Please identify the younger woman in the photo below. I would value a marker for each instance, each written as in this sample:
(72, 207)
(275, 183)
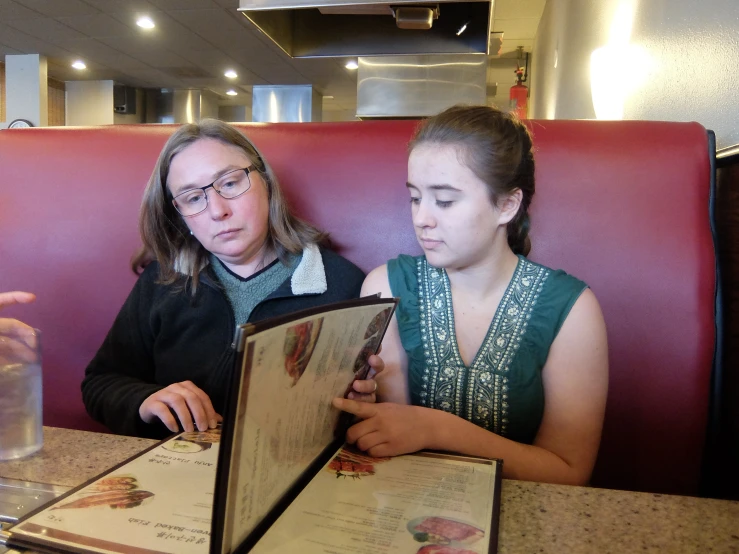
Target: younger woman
(489, 354)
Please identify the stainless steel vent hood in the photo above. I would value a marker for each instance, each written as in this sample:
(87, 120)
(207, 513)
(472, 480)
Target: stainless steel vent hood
(324, 28)
(418, 86)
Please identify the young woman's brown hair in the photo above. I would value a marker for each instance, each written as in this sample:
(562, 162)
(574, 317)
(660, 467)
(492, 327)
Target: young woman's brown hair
(164, 234)
(497, 147)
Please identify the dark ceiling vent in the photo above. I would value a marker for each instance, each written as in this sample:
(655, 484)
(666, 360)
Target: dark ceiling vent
(350, 28)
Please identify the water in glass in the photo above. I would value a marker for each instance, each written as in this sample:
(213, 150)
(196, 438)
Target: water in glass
(21, 433)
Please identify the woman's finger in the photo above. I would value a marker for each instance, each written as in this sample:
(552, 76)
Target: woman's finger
(161, 410)
(15, 351)
(15, 297)
(197, 410)
(362, 410)
(358, 430)
(365, 386)
(178, 404)
(376, 363)
(369, 441)
(370, 398)
(212, 418)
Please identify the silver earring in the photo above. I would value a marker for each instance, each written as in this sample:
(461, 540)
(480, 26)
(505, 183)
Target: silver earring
(191, 231)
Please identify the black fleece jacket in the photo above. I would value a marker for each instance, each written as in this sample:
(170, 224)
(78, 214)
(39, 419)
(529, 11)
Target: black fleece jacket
(163, 336)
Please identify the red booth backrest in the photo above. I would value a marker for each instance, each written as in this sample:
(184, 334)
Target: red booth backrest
(621, 205)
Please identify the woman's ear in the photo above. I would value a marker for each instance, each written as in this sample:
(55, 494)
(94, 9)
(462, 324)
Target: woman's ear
(508, 206)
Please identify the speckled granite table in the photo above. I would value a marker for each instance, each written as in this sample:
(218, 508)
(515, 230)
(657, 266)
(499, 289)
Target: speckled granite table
(534, 517)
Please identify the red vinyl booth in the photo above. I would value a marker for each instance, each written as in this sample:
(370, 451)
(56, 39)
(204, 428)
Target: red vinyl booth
(622, 205)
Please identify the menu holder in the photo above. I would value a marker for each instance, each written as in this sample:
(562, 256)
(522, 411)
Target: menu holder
(276, 477)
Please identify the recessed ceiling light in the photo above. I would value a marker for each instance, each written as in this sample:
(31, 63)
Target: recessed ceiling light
(145, 22)
(351, 65)
(231, 74)
(79, 64)
(328, 97)
(231, 92)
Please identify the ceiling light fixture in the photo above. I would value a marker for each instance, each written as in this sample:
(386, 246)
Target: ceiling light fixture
(79, 64)
(328, 97)
(231, 74)
(462, 29)
(351, 65)
(231, 92)
(145, 22)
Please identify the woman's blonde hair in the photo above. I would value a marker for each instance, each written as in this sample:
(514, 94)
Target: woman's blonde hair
(165, 236)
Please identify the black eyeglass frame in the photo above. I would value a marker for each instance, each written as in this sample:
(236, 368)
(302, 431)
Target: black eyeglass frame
(247, 170)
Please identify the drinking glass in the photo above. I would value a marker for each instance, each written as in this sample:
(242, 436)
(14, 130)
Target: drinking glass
(21, 432)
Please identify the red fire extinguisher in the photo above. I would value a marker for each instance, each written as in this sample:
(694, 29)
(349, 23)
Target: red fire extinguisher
(519, 95)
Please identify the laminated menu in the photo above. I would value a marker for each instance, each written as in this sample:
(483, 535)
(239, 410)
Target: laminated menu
(276, 476)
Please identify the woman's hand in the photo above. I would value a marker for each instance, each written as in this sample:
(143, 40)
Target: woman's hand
(365, 390)
(387, 429)
(187, 401)
(18, 341)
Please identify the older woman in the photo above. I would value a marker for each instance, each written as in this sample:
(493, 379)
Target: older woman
(224, 250)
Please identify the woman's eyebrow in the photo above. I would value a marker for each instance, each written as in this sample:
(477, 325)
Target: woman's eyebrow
(217, 175)
(442, 186)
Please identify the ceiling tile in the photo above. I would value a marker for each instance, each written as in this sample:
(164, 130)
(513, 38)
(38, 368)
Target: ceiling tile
(10, 10)
(174, 5)
(145, 52)
(169, 34)
(8, 51)
(218, 27)
(121, 6)
(60, 7)
(216, 61)
(46, 29)
(97, 26)
(94, 50)
(27, 44)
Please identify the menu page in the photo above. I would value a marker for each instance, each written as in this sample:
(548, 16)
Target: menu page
(284, 417)
(422, 503)
(159, 502)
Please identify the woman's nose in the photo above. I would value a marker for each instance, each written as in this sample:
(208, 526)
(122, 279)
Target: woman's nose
(218, 207)
(422, 216)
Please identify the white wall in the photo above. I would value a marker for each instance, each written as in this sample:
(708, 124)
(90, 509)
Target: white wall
(673, 60)
(26, 89)
(90, 103)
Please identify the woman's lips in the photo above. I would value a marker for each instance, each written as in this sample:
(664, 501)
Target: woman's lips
(429, 243)
(228, 233)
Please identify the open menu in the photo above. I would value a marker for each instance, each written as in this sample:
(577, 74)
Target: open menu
(276, 477)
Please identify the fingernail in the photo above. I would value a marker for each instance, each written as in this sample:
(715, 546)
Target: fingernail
(350, 395)
(212, 423)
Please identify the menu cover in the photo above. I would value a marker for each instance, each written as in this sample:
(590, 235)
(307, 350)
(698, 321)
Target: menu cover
(275, 477)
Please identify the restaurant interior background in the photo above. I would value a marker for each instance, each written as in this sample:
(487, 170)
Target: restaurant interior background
(669, 60)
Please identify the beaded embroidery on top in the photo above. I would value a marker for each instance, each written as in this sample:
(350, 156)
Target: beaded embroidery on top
(478, 393)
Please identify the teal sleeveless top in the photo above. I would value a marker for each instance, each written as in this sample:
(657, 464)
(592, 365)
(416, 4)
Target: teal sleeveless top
(502, 389)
